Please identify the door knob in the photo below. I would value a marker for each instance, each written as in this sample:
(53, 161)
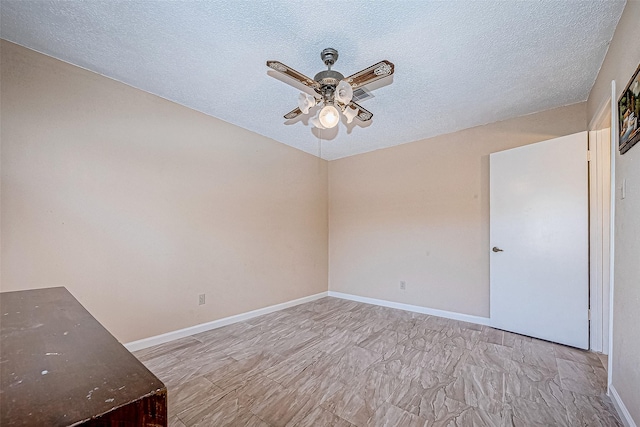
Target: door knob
(497, 249)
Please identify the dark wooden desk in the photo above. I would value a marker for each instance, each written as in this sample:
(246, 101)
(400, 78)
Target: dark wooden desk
(59, 367)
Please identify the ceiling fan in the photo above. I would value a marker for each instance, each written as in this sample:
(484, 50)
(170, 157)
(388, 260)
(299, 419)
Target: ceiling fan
(333, 90)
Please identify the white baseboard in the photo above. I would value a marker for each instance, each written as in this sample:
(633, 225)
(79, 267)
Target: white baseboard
(203, 327)
(415, 308)
(620, 407)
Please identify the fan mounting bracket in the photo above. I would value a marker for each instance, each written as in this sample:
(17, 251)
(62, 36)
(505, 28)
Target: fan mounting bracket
(329, 56)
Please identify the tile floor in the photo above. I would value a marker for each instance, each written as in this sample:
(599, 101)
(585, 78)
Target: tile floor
(334, 362)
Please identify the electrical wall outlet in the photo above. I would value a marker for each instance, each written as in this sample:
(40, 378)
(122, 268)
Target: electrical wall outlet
(201, 299)
(403, 285)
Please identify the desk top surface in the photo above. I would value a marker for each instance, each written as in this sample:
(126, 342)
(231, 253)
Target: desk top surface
(59, 365)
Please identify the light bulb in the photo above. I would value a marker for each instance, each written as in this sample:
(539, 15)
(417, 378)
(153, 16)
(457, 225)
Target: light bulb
(329, 116)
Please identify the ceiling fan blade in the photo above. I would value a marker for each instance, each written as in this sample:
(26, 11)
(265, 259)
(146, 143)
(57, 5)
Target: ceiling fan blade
(290, 72)
(375, 72)
(293, 114)
(363, 114)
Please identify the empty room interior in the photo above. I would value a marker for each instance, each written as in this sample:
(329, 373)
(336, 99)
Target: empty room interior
(252, 213)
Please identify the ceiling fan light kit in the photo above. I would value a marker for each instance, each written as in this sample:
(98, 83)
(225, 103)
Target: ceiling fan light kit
(333, 90)
(329, 116)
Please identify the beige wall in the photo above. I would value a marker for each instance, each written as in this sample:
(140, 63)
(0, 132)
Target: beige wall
(419, 212)
(137, 204)
(620, 63)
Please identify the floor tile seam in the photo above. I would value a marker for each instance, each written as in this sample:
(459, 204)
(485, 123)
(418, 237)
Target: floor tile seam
(499, 401)
(206, 401)
(251, 396)
(144, 360)
(237, 381)
(167, 371)
(537, 401)
(581, 362)
(603, 366)
(168, 347)
(422, 369)
(194, 405)
(203, 376)
(432, 346)
(530, 383)
(480, 340)
(382, 352)
(477, 365)
(469, 405)
(533, 355)
(307, 368)
(207, 354)
(485, 368)
(205, 342)
(531, 400)
(583, 394)
(180, 419)
(337, 416)
(424, 415)
(258, 416)
(565, 410)
(240, 359)
(321, 402)
(290, 391)
(567, 404)
(591, 372)
(539, 367)
(304, 347)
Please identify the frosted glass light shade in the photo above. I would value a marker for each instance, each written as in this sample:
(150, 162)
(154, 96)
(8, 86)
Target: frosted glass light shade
(329, 116)
(316, 123)
(306, 102)
(344, 92)
(350, 113)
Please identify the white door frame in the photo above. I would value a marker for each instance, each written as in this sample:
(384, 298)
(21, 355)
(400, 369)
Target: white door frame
(612, 214)
(599, 221)
(606, 345)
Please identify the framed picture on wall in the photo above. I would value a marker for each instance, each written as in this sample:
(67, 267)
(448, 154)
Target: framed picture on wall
(629, 114)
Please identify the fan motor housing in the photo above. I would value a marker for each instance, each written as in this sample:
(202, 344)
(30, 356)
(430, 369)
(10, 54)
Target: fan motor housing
(328, 78)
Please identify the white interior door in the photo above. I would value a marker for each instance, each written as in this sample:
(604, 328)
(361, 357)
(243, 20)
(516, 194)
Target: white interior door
(539, 240)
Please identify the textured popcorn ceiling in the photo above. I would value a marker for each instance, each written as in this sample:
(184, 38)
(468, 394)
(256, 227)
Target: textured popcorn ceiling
(458, 64)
